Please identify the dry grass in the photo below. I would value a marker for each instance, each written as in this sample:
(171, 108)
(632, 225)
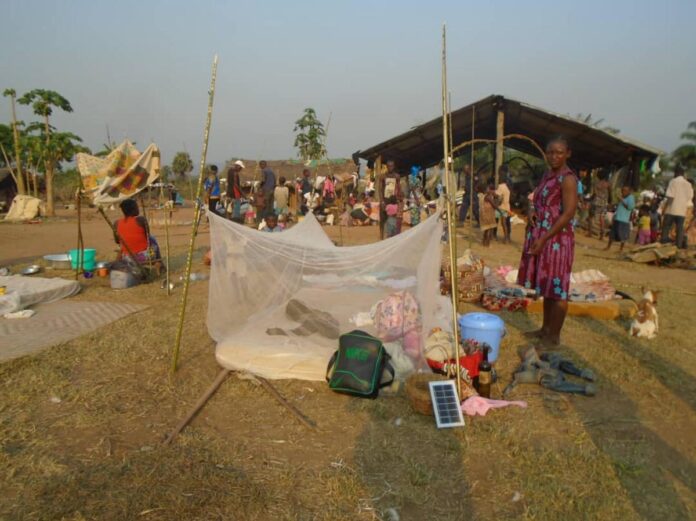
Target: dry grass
(626, 454)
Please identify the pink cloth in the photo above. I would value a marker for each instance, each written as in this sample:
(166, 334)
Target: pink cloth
(392, 209)
(479, 405)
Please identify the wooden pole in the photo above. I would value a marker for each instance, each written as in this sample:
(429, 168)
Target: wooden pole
(222, 375)
(294, 410)
(451, 202)
(196, 217)
(165, 214)
(80, 242)
(499, 134)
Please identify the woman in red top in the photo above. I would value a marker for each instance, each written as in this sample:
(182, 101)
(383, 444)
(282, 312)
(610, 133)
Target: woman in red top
(133, 234)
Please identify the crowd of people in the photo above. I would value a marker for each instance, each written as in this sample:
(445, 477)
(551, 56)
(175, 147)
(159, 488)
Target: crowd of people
(616, 217)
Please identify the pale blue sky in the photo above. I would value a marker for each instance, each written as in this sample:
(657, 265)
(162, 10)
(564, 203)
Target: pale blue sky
(143, 67)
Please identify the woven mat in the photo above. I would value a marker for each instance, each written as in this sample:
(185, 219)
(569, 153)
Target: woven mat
(56, 323)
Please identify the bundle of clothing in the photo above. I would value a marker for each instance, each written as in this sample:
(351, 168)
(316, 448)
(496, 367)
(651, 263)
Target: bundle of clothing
(503, 293)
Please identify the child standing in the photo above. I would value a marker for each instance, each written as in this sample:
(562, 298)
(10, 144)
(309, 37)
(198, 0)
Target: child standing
(391, 227)
(655, 226)
(644, 228)
(621, 222)
(487, 208)
(281, 196)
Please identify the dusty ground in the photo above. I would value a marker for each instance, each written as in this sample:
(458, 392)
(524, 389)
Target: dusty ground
(627, 453)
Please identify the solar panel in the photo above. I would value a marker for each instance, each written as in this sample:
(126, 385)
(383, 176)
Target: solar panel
(448, 413)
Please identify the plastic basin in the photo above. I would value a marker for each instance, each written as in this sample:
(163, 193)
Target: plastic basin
(484, 328)
(86, 258)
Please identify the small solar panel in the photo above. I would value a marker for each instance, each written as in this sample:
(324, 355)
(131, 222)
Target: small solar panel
(448, 412)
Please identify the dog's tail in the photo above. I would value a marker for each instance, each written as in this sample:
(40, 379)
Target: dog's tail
(624, 295)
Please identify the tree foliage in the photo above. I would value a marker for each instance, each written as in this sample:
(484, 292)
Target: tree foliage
(5, 141)
(685, 154)
(310, 136)
(44, 101)
(182, 164)
(50, 146)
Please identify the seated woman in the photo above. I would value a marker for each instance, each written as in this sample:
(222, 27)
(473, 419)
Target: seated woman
(133, 235)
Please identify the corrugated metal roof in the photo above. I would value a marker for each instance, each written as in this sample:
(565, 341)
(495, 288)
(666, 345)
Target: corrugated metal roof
(592, 147)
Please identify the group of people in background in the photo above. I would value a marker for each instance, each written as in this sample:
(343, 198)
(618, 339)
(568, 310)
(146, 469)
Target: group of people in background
(654, 218)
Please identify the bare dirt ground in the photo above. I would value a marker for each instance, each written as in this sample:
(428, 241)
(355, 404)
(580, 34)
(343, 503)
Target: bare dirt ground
(81, 424)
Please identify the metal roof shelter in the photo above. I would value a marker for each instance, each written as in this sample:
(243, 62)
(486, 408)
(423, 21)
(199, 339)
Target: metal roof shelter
(592, 147)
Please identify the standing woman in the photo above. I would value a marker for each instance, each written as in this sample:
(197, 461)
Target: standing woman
(547, 255)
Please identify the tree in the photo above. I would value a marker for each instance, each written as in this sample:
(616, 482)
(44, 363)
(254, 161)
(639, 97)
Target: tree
(19, 177)
(587, 120)
(685, 154)
(309, 140)
(42, 103)
(182, 164)
(165, 173)
(5, 143)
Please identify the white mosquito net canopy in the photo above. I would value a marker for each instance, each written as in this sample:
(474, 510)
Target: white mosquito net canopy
(279, 301)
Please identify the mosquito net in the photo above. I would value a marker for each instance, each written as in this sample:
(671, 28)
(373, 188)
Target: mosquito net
(279, 301)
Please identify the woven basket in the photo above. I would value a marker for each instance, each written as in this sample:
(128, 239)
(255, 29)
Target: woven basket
(471, 282)
(418, 391)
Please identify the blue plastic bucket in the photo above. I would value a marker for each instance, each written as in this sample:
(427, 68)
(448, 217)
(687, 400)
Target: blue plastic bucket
(88, 260)
(483, 327)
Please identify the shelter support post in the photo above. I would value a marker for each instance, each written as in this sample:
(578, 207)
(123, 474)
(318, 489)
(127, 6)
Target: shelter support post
(499, 145)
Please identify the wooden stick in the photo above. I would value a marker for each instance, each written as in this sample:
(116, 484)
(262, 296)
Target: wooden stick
(196, 219)
(222, 375)
(274, 392)
(505, 138)
(79, 265)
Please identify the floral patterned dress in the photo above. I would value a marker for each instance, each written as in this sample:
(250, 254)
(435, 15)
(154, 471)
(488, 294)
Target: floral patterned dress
(549, 272)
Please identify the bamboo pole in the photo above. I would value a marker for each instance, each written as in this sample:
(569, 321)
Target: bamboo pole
(196, 217)
(471, 177)
(451, 201)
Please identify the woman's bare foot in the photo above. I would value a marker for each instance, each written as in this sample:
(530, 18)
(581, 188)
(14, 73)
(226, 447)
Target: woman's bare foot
(547, 343)
(537, 333)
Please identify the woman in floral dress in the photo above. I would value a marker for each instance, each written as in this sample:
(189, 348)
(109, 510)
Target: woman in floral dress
(547, 255)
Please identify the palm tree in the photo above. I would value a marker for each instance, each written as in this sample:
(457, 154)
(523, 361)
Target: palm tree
(587, 120)
(42, 103)
(685, 154)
